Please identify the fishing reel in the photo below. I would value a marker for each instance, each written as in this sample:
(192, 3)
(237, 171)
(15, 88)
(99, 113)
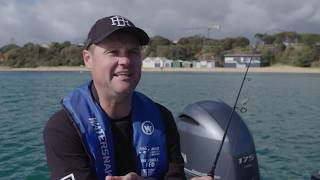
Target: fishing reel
(243, 107)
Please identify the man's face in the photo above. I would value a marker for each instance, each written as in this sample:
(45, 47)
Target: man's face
(115, 64)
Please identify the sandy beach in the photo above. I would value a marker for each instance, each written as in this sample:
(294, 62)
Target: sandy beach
(273, 69)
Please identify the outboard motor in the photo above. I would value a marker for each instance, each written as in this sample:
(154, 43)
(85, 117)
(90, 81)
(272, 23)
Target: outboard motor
(201, 126)
(316, 176)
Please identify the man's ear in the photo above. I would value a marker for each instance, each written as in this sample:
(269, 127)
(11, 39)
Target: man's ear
(87, 58)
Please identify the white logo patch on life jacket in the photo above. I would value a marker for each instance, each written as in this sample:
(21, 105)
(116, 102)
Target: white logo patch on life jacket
(147, 127)
(119, 21)
(68, 177)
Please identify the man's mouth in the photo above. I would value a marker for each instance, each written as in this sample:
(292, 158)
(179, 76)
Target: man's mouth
(122, 74)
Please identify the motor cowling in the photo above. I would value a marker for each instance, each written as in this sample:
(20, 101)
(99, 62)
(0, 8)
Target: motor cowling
(201, 126)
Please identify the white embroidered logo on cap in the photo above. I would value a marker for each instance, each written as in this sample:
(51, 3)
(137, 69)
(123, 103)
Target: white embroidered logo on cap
(119, 21)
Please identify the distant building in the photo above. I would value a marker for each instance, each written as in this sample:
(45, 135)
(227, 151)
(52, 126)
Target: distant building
(45, 46)
(148, 62)
(187, 64)
(80, 44)
(204, 64)
(241, 60)
(167, 63)
(156, 62)
(177, 63)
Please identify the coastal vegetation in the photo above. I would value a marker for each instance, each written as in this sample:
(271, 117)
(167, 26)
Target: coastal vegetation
(287, 48)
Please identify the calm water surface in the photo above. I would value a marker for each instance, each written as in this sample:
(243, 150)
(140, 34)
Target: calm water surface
(283, 115)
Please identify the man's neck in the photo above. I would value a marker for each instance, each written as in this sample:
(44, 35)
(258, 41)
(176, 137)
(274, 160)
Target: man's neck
(115, 106)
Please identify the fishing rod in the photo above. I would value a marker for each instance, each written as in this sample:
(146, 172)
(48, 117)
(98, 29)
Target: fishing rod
(212, 170)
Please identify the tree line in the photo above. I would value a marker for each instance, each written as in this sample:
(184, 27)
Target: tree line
(34, 55)
(288, 48)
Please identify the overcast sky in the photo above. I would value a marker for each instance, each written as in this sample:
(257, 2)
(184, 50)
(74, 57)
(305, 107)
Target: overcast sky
(44, 21)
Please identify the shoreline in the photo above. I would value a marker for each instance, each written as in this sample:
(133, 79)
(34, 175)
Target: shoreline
(273, 69)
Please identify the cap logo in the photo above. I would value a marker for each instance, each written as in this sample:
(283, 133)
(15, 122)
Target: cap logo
(119, 21)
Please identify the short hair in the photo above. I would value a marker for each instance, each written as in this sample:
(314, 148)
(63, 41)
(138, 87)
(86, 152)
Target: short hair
(91, 48)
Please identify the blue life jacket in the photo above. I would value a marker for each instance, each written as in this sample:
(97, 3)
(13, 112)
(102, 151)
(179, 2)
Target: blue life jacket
(148, 133)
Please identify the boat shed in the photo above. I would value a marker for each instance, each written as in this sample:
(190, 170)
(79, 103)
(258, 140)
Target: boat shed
(156, 62)
(177, 64)
(241, 60)
(204, 64)
(148, 62)
(187, 64)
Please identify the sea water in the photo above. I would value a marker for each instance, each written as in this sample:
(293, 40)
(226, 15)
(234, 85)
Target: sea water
(283, 115)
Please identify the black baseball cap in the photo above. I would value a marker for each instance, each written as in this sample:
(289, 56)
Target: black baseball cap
(108, 25)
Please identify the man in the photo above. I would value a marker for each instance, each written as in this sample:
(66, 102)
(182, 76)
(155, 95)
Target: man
(105, 129)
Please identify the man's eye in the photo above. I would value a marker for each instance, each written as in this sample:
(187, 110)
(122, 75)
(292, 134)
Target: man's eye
(134, 52)
(112, 52)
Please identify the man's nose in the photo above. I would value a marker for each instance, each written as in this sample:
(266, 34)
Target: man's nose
(124, 60)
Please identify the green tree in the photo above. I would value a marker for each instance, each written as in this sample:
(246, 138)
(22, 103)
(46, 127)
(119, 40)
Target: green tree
(309, 39)
(266, 57)
(240, 42)
(151, 49)
(199, 40)
(71, 55)
(8, 47)
(303, 57)
(26, 56)
(159, 40)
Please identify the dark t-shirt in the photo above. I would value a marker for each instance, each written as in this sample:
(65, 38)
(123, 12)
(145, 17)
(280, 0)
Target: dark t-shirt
(66, 154)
